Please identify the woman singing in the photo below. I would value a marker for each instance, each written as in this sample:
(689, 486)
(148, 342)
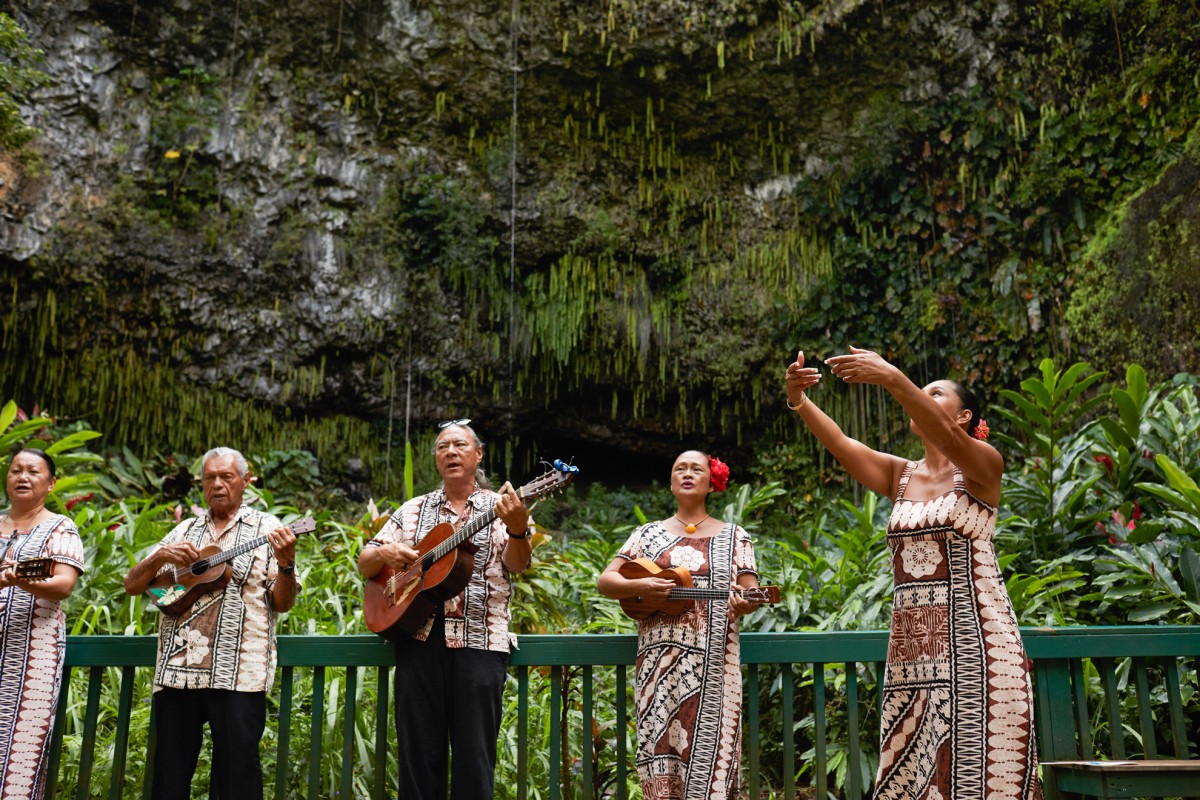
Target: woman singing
(957, 709)
(32, 627)
(689, 680)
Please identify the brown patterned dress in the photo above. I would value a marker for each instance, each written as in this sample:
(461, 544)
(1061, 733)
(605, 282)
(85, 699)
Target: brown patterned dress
(957, 714)
(33, 636)
(689, 676)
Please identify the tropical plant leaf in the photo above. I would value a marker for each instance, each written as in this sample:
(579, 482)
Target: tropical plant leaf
(1189, 566)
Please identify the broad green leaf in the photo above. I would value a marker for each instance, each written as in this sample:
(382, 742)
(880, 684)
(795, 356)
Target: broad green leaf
(1040, 393)
(1135, 379)
(1144, 533)
(1070, 379)
(1081, 387)
(1176, 476)
(72, 441)
(7, 415)
(1152, 612)
(1189, 565)
(1130, 412)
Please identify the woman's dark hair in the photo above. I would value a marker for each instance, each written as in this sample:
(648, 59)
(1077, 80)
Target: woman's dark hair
(971, 403)
(42, 454)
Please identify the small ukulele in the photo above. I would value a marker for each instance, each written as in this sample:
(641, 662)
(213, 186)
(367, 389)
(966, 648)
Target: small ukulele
(32, 569)
(396, 604)
(178, 588)
(684, 593)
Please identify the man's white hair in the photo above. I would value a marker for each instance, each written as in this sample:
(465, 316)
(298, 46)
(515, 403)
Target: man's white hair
(239, 460)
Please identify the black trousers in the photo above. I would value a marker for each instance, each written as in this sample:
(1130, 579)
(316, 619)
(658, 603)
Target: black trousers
(443, 697)
(236, 721)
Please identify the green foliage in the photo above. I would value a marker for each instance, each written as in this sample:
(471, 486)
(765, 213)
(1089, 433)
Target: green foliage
(182, 179)
(1098, 523)
(19, 76)
(1137, 279)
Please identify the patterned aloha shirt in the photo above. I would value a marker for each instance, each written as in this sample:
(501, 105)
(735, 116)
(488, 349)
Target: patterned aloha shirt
(478, 617)
(227, 639)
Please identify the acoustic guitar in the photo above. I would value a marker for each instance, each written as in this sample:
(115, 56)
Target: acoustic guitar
(32, 569)
(397, 604)
(684, 593)
(178, 588)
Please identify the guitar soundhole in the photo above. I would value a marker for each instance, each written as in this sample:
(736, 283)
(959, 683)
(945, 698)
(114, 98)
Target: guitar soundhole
(200, 567)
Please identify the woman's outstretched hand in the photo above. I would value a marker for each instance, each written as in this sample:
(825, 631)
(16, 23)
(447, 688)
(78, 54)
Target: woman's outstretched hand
(799, 379)
(862, 366)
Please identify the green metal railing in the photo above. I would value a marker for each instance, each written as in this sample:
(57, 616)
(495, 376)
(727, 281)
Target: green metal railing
(1124, 680)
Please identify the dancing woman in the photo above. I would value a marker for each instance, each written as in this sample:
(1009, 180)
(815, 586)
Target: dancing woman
(957, 711)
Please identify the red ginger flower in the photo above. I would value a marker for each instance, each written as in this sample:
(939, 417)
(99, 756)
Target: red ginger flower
(982, 431)
(718, 474)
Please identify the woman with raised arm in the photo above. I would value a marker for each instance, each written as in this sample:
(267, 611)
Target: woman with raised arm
(33, 631)
(957, 710)
(689, 679)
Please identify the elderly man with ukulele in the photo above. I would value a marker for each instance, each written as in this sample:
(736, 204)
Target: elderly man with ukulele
(216, 638)
(450, 672)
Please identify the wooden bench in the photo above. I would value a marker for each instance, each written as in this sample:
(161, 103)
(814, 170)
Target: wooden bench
(1109, 707)
(1123, 779)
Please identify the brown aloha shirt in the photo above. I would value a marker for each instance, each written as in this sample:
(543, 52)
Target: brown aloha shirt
(478, 616)
(227, 639)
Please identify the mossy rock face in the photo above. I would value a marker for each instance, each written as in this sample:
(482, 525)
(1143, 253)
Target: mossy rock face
(1139, 282)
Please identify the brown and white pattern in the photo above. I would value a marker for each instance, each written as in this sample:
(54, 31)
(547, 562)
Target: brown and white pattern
(957, 712)
(32, 645)
(478, 616)
(227, 639)
(689, 677)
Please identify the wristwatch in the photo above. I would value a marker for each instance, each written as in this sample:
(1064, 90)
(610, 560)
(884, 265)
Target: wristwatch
(523, 535)
(288, 570)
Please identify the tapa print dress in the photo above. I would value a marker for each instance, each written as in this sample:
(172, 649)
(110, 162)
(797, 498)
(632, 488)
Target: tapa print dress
(957, 713)
(33, 638)
(689, 677)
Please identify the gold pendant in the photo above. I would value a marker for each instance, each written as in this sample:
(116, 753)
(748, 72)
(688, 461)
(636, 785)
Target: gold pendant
(690, 528)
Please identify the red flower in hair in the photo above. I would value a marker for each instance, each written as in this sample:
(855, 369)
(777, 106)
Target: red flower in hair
(982, 431)
(718, 474)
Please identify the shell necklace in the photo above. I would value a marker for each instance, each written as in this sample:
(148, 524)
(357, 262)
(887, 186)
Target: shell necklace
(690, 527)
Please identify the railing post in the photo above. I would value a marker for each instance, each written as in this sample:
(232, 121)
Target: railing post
(752, 724)
(121, 741)
(522, 733)
(349, 704)
(283, 745)
(382, 709)
(822, 760)
(316, 733)
(87, 747)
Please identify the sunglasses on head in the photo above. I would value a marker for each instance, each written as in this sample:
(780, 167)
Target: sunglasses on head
(449, 422)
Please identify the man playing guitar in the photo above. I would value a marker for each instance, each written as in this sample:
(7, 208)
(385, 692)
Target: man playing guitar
(450, 674)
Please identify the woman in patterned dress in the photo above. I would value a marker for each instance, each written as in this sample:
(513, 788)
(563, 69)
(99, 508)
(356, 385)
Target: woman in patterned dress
(957, 708)
(689, 679)
(32, 627)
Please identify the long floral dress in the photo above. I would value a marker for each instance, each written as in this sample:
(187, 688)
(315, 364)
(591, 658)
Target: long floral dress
(33, 636)
(689, 678)
(957, 713)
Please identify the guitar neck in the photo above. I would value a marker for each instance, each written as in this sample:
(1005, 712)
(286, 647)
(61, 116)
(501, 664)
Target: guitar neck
(692, 593)
(461, 535)
(232, 553)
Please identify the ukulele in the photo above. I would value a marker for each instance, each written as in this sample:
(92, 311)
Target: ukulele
(396, 604)
(32, 569)
(684, 593)
(177, 589)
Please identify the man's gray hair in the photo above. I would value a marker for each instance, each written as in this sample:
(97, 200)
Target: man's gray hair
(239, 460)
